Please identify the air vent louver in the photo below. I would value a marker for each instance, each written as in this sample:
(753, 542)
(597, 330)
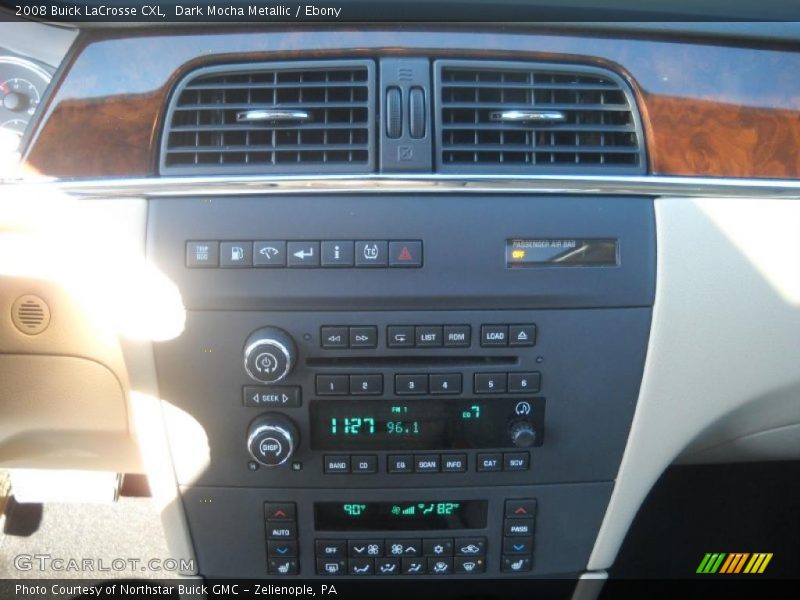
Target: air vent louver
(535, 118)
(299, 117)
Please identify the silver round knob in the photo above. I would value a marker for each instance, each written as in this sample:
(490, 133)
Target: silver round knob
(272, 439)
(269, 355)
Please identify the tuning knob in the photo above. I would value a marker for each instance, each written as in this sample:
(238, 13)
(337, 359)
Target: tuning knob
(523, 435)
(269, 354)
(272, 439)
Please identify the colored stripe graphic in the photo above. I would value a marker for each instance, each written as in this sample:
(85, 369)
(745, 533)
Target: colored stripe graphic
(734, 563)
(711, 562)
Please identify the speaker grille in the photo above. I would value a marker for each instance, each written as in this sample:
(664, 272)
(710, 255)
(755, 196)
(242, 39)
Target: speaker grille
(30, 314)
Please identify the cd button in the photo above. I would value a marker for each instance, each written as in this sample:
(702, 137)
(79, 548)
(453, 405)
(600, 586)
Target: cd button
(364, 464)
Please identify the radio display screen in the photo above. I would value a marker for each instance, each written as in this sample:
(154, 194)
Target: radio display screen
(399, 516)
(421, 424)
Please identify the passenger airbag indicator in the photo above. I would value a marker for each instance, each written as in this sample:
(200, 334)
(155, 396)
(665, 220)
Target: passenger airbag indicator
(567, 252)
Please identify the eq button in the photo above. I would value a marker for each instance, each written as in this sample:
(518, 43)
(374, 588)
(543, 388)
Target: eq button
(400, 463)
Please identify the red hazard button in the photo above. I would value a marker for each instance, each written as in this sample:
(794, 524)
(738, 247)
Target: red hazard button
(405, 254)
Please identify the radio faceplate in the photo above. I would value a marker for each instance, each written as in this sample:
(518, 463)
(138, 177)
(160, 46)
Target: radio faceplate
(579, 403)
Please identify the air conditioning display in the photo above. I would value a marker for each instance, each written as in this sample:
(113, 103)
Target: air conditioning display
(422, 424)
(400, 516)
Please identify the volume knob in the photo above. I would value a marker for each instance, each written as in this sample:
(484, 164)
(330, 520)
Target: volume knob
(523, 435)
(269, 354)
(272, 439)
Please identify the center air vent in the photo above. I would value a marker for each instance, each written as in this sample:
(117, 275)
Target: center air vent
(293, 117)
(535, 118)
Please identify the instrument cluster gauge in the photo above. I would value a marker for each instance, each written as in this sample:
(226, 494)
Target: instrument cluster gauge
(22, 85)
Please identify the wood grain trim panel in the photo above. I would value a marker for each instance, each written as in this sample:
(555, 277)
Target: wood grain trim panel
(708, 109)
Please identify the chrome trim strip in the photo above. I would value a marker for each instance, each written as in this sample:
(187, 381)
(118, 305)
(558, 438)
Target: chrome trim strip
(272, 115)
(621, 185)
(527, 116)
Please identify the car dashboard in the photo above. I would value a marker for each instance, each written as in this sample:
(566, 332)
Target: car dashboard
(422, 302)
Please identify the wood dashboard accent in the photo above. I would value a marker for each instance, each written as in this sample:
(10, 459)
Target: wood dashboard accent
(708, 109)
